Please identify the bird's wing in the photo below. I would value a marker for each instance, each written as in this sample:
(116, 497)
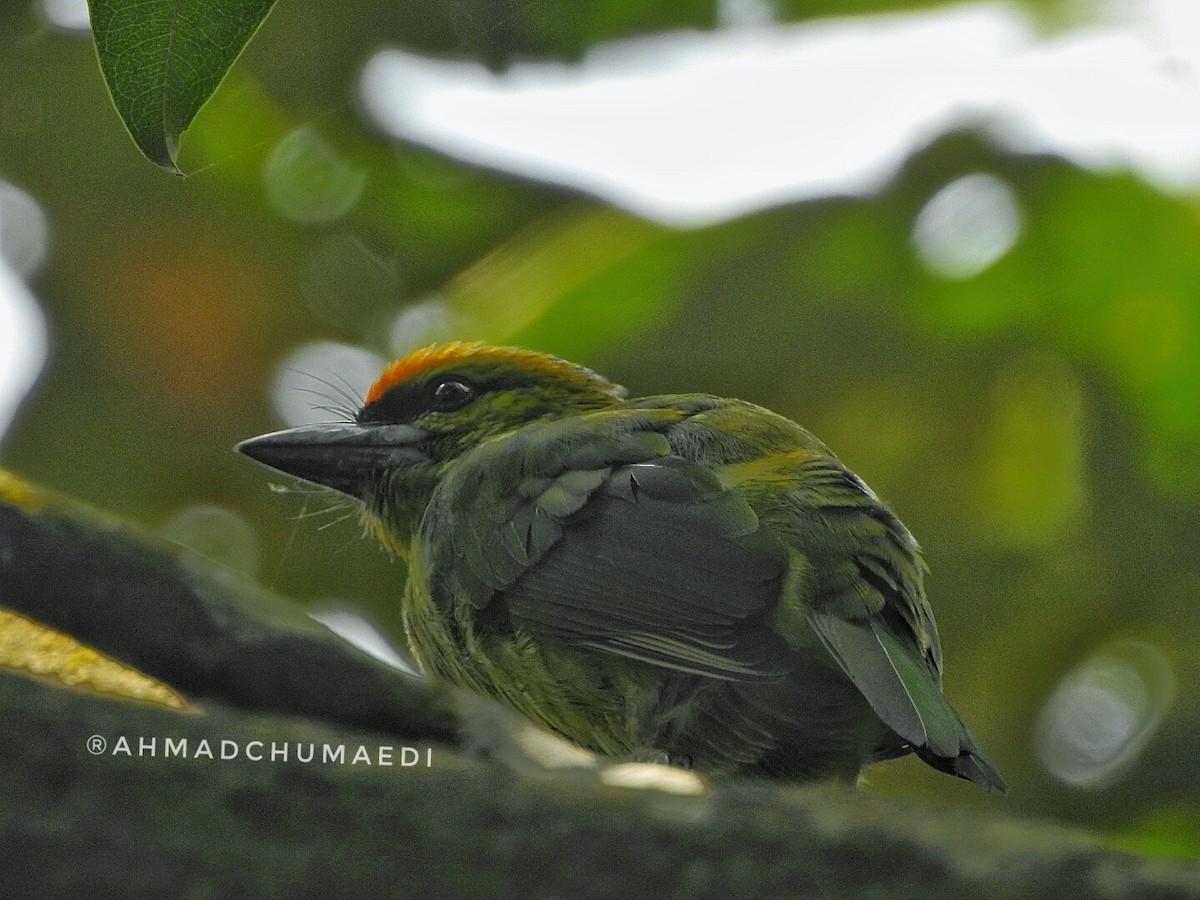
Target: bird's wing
(862, 573)
(602, 538)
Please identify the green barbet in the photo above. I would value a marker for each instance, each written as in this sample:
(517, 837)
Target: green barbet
(683, 578)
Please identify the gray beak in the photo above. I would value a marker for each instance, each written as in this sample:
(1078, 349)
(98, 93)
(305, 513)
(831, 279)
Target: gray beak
(347, 458)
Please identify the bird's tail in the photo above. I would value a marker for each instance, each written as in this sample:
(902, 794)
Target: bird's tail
(971, 763)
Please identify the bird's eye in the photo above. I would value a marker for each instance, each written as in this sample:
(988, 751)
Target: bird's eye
(452, 393)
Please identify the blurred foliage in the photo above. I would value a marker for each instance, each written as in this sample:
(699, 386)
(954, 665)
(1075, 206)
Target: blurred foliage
(1036, 425)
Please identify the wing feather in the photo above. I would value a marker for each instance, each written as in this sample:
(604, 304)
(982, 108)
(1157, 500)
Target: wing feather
(609, 541)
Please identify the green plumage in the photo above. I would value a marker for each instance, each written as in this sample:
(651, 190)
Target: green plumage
(683, 574)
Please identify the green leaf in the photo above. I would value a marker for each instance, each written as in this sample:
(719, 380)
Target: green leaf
(163, 59)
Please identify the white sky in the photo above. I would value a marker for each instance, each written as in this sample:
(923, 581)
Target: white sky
(690, 128)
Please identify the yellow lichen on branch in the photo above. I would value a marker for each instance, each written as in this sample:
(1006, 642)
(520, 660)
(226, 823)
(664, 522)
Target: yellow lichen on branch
(17, 492)
(30, 647)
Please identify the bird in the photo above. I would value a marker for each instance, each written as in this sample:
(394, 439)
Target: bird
(683, 578)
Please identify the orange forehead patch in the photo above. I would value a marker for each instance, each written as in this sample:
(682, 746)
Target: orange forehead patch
(437, 355)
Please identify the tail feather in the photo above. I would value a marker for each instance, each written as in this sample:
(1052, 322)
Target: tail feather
(970, 764)
(905, 695)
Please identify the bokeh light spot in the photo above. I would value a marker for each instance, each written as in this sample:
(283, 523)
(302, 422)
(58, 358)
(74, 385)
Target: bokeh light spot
(218, 534)
(24, 230)
(323, 381)
(967, 226)
(307, 180)
(1103, 713)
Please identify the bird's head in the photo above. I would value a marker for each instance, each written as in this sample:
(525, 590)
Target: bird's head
(424, 411)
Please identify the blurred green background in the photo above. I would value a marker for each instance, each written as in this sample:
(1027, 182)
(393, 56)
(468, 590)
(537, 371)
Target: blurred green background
(1032, 414)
